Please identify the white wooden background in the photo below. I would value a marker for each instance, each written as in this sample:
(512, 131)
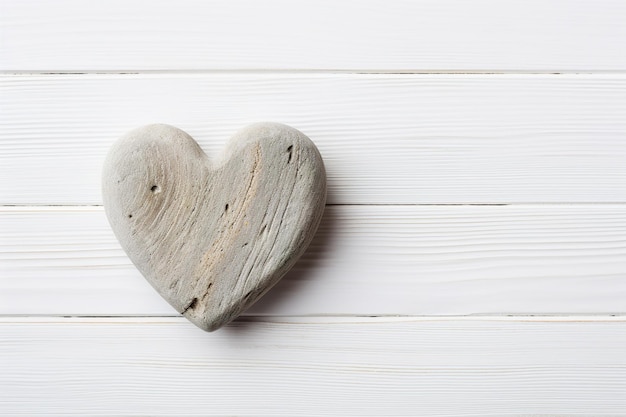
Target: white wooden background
(472, 258)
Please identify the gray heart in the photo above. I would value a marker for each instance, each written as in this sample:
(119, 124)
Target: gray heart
(212, 236)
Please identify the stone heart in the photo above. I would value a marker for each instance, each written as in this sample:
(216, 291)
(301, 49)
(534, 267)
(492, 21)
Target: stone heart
(213, 236)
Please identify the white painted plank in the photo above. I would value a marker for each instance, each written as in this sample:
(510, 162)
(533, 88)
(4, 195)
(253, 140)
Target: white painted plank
(384, 138)
(406, 260)
(356, 367)
(424, 35)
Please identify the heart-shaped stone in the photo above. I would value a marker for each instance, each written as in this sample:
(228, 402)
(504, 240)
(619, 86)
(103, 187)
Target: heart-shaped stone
(212, 236)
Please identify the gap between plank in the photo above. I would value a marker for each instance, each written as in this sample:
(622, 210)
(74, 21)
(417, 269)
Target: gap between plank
(567, 318)
(52, 207)
(315, 71)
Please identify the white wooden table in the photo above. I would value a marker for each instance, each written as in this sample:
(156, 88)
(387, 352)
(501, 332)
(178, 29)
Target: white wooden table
(472, 257)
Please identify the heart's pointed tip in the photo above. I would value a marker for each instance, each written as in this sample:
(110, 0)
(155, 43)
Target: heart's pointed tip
(208, 324)
(211, 327)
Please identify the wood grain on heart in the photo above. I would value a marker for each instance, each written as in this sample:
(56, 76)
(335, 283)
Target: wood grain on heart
(213, 235)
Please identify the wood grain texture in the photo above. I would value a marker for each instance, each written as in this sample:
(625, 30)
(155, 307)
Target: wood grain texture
(407, 260)
(398, 139)
(425, 35)
(213, 235)
(353, 367)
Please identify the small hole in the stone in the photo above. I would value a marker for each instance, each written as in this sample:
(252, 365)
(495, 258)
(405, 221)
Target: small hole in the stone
(155, 189)
(226, 207)
(289, 149)
(130, 216)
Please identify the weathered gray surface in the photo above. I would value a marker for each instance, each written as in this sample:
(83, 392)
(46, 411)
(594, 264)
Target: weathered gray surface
(212, 236)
